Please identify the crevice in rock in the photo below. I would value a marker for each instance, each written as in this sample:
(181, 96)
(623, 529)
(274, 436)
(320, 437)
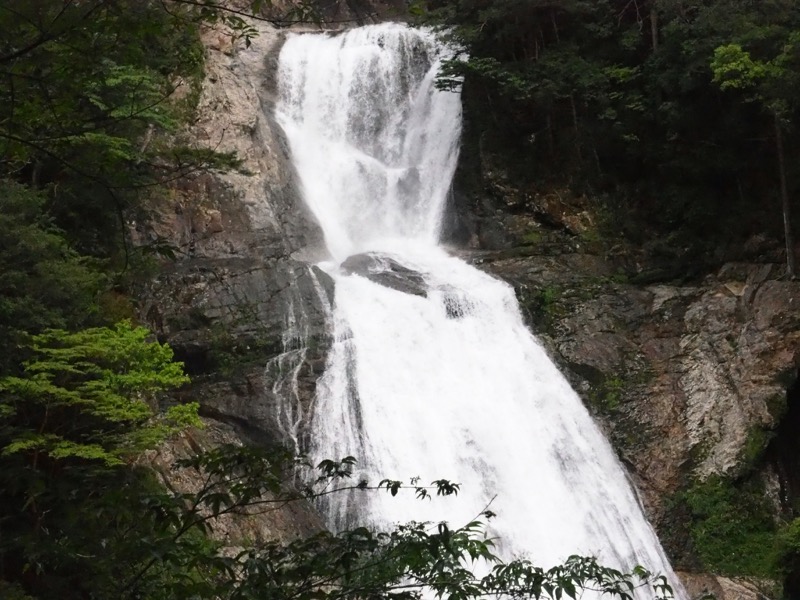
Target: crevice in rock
(783, 451)
(196, 359)
(245, 431)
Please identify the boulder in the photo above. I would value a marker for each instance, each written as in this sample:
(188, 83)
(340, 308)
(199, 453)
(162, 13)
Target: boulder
(386, 271)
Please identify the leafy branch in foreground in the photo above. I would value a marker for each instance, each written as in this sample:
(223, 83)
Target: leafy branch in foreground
(404, 563)
(83, 509)
(414, 559)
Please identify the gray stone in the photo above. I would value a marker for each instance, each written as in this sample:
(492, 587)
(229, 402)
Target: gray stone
(385, 271)
(242, 304)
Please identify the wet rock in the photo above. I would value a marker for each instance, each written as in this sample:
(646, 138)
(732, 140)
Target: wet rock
(386, 271)
(240, 301)
(237, 295)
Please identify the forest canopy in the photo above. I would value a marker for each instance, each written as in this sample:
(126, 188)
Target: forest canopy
(681, 114)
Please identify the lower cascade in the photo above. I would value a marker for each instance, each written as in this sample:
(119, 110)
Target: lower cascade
(433, 373)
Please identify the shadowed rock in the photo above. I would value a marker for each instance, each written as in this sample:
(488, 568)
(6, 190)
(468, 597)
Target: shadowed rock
(387, 272)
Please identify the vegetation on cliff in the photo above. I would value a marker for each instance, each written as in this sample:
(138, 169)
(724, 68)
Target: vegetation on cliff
(618, 98)
(92, 98)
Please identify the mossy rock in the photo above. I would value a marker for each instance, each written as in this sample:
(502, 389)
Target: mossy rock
(731, 525)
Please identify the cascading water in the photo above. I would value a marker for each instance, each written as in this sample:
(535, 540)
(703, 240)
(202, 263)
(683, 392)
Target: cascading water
(432, 372)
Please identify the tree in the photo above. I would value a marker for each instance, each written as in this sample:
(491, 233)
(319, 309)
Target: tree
(89, 109)
(773, 85)
(592, 97)
(94, 96)
(71, 425)
(43, 282)
(90, 395)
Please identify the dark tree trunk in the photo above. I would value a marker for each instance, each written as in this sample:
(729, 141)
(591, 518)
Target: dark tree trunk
(785, 205)
(576, 127)
(654, 26)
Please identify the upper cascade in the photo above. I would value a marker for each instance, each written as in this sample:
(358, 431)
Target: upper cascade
(366, 122)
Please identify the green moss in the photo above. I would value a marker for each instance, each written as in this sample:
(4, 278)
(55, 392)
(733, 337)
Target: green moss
(788, 549)
(231, 355)
(619, 278)
(547, 298)
(591, 237)
(543, 305)
(731, 527)
(531, 238)
(753, 449)
(607, 395)
(777, 405)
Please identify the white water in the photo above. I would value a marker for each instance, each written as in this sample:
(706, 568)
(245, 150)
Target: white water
(283, 370)
(449, 385)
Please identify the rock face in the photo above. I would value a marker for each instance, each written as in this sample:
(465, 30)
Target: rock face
(693, 376)
(689, 380)
(687, 377)
(241, 304)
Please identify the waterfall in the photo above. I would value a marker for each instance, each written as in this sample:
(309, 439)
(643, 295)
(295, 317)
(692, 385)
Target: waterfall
(433, 373)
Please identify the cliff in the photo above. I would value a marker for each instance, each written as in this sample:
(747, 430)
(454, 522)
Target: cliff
(241, 305)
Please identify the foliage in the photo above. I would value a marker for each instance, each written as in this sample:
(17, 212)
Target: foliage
(414, 557)
(623, 99)
(83, 409)
(105, 383)
(43, 282)
(732, 528)
(774, 82)
(134, 539)
(85, 120)
(753, 449)
(607, 395)
(531, 238)
(774, 85)
(733, 68)
(543, 305)
(788, 554)
(90, 115)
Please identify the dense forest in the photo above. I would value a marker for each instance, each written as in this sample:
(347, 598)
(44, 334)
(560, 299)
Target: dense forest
(677, 115)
